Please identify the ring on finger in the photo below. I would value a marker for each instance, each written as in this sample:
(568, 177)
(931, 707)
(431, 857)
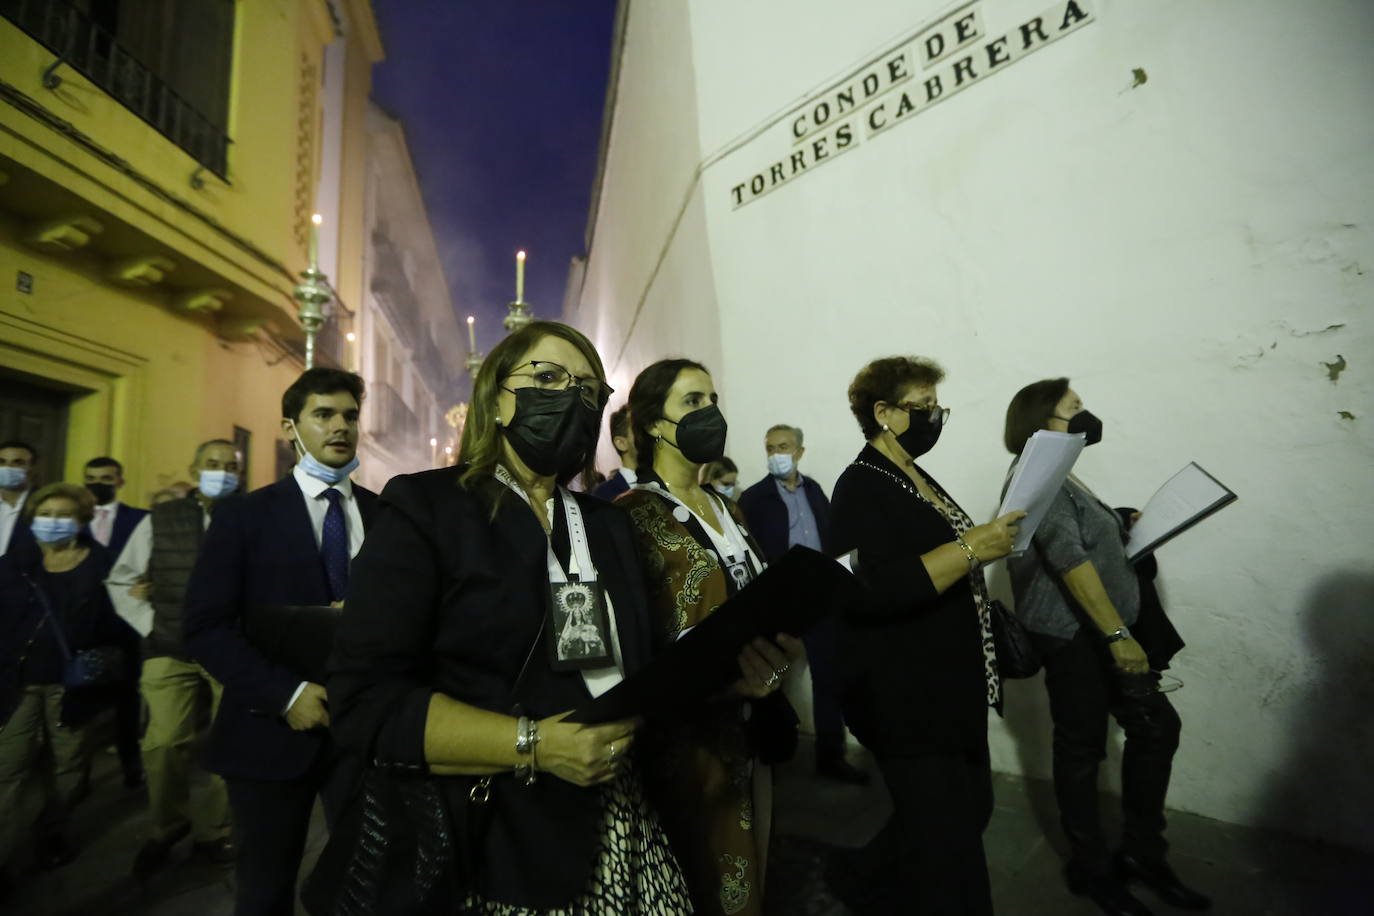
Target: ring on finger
(772, 680)
(611, 759)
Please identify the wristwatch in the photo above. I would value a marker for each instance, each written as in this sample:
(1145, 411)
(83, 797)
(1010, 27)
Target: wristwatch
(1118, 634)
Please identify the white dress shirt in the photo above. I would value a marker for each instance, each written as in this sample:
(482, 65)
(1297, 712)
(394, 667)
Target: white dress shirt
(9, 517)
(312, 488)
(132, 568)
(102, 526)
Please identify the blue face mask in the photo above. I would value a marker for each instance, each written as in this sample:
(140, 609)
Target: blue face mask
(12, 478)
(218, 484)
(317, 468)
(780, 464)
(54, 530)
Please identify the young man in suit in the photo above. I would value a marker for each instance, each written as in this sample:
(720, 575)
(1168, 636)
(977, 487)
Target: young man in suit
(624, 477)
(784, 509)
(114, 522)
(286, 544)
(148, 588)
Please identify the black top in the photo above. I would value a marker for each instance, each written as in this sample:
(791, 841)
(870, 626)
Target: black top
(78, 599)
(912, 667)
(444, 598)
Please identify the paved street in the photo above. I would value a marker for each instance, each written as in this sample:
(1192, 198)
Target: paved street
(1248, 872)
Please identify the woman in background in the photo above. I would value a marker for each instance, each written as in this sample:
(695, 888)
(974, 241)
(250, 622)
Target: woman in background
(722, 475)
(1082, 600)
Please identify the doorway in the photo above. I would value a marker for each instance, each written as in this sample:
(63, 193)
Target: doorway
(38, 416)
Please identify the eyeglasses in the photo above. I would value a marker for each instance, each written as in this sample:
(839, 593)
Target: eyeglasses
(553, 377)
(935, 414)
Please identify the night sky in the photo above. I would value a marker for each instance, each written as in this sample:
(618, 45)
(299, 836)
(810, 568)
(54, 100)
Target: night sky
(501, 102)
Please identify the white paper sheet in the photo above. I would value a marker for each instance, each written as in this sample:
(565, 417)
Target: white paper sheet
(1186, 499)
(1040, 472)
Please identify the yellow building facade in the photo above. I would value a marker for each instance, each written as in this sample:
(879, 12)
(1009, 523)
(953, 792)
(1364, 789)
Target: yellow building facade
(158, 171)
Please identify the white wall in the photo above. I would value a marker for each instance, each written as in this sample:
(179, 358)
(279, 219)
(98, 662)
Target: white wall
(1189, 251)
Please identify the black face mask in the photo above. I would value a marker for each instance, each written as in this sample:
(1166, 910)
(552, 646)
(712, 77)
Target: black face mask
(552, 431)
(922, 434)
(1084, 422)
(103, 492)
(701, 435)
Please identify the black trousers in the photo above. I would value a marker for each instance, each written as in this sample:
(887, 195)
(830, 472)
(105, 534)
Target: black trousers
(271, 820)
(929, 858)
(821, 657)
(1084, 691)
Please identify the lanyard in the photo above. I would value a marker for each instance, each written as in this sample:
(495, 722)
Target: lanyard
(577, 533)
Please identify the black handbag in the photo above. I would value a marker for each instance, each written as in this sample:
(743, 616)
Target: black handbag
(1016, 654)
(399, 850)
(101, 666)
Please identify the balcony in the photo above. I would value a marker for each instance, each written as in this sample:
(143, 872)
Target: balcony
(96, 53)
(392, 420)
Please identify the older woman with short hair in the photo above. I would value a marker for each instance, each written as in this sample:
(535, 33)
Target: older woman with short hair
(52, 602)
(1100, 629)
(917, 667)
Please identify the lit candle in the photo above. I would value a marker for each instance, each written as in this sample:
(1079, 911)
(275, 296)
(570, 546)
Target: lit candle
(520, 276)
(472, 336)
(315, 239)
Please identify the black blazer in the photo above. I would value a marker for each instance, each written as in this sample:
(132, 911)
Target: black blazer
(766, 513)
(911, 660)
(260, 549)
(443, 599)
(611, 487)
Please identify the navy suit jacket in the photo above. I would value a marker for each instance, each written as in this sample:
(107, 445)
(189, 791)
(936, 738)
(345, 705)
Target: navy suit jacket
(126, 520)
(766, 514)
(260, 550)
(611, 487)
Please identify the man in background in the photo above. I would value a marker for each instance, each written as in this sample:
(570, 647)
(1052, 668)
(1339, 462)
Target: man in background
(111, 527)
(17, 460)
(148, 587)
(786, 509)
(624, 442)
(114, 521)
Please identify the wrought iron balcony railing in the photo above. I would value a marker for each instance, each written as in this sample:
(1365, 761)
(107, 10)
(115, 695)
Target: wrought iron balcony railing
(96, 54)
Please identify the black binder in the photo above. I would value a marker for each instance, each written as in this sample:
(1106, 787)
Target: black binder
(300, 637)
(788, 597)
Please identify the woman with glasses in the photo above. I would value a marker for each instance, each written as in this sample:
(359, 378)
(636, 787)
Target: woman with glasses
(703, 772)
(1097, 622)
(917, 668)
(488, 601)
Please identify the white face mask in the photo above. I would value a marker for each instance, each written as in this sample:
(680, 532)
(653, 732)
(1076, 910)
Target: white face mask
(218, 484)
(317, 468)
(781, 464)
(12, 478)
(723, 490)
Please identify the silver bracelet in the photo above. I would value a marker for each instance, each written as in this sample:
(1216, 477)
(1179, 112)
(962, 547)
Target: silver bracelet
(526, 738)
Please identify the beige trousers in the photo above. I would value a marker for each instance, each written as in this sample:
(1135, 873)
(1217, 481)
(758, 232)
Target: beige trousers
(37, 753)
(176, 692)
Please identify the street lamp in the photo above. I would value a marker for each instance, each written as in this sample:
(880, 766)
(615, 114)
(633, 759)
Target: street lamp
(312, 293)
(520, 315)
(474, 360)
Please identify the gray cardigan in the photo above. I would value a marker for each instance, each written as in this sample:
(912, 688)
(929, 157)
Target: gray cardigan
(1078, 527)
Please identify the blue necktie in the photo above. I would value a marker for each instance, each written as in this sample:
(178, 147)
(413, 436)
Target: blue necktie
(334, 545)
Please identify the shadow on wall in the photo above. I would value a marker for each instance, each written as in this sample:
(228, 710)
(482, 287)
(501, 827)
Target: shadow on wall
(1323, 788)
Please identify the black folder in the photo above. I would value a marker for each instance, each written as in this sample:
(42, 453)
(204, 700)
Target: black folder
(789, 597)
(299, 637)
